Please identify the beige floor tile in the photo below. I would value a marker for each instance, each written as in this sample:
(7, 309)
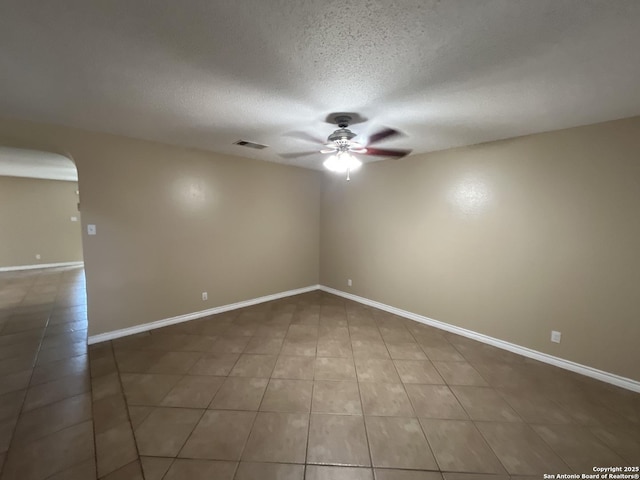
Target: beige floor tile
(278, 437)
(154, 468)
(385, 399)
(14, 381)
(239, 393)
(50, 392)
(397, 442)
(105, 386)
(405, 351)
(6, 433)
(520, 449)
(442, 353)
(229, 344)
(146, 388)
(316, 472)
(459, 447)
(415, 371)
(398, 334)
(334, 369)
(302, 332)
(175, 362)
(83, 471)
(269, 471)
(215, 363)
(287, 396)
(264, 345)
(294, 367)
(392, 474)
(10, 404)
(483, 403)
(165, 430)
(136, 361)
(131, 471)
(51, 418)
(336, 397)
(299, 347)
(364, 333)
(459, 373)
(330, 347)
(376, 370)
(435, 401)
(137, 414)
(369, 349)
(334, 331)
(258, 366)
(338, 440)
(220, 435)
(578, 447)
(51, 454)
(481, 476)
(115, 448)
(200, 470)
(625, 442)
(109, 412)
(535, 408)
(193, 392)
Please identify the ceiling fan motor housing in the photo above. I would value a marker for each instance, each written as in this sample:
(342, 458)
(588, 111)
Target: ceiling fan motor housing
(341, 134)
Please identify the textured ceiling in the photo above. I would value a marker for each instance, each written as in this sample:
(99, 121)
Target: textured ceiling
(18, 162)
(205, 73)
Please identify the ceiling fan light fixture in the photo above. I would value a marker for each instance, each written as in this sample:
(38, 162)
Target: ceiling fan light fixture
(342, 162)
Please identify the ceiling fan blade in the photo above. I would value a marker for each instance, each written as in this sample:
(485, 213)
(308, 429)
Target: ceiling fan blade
(329, 150)
(380, 152)
(307, 137)
(297, 154)
(383, 135)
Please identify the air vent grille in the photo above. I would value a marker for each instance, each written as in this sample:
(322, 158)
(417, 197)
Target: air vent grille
(244, 143)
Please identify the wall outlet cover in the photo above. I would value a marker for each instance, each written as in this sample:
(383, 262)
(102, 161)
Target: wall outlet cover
(556, 336)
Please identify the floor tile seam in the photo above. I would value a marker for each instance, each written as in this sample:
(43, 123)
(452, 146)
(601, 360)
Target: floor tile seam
(522, 420)
(583, 427)
(24, 399)
(366, 430)
(424, 434)
(126, 407)
(50, 405)
(528, 426)
(2, 471)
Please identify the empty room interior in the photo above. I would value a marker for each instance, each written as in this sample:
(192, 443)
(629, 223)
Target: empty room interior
(289, 240)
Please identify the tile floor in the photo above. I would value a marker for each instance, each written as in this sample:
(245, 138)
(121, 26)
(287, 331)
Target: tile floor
(307, 387)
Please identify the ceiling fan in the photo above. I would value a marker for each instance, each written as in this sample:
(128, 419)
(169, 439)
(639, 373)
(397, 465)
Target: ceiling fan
(341, 146)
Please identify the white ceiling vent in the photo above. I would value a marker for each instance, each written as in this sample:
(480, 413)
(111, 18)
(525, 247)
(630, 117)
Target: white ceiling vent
(244, 143)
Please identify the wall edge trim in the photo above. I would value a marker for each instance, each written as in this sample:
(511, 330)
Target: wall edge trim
(165, 322)
(40, 265)
(611, 378)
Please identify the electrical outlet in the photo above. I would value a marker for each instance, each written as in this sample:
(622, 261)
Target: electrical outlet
(74, 219)
(555, 336)
(38, 256)
(204, 296)
(91, 229)
(349, 282)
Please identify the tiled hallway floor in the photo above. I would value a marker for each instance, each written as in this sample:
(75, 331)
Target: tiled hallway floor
(311, 386)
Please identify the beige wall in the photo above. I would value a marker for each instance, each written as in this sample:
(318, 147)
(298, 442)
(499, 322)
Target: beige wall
(511, 239)
(35, 218)
(173, 222)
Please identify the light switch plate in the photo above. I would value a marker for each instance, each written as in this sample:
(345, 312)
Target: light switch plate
(91, 229)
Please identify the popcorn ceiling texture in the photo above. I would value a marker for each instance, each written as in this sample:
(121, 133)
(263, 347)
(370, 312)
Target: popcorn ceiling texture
(205, 74)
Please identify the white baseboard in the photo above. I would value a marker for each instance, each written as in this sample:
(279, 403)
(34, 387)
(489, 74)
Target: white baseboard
(103, 337)
(40, 265)
(623, 382)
